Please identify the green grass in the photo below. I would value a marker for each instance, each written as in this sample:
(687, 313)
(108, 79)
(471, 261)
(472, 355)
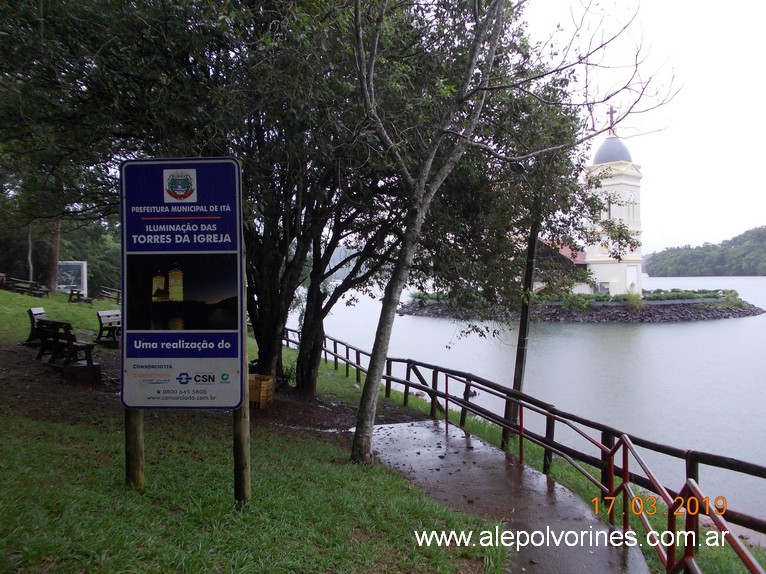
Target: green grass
(15, 321)
(64, 506)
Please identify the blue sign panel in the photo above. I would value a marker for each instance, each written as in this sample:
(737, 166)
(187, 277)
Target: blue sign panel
(182, 310)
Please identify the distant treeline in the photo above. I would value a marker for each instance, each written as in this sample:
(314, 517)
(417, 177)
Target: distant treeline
(742, 255)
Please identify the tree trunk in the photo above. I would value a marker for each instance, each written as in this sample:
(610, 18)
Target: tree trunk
(309, 358)
(55, 248)
(30, 262)
(312, 341)
(361, 448)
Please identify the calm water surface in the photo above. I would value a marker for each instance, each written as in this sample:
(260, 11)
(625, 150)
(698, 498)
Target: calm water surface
(696, 385)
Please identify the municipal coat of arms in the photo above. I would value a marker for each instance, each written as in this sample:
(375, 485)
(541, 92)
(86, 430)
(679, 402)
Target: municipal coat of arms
(179, 186)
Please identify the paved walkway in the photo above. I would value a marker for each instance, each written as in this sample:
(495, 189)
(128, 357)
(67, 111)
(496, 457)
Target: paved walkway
(471, 475)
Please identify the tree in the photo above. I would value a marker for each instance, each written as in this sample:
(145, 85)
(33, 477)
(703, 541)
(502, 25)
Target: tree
(480, 53)
(109, 81)
(451, 113)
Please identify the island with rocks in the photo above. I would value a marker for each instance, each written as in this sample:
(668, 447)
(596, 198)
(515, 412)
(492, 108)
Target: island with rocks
(654, 307)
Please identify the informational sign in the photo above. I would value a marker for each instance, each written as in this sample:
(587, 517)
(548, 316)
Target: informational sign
(182, 319)
(72, 275)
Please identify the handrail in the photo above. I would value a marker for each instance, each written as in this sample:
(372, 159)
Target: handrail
(614, 446)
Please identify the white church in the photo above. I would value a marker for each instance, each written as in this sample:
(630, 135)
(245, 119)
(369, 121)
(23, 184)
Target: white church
(623, 181)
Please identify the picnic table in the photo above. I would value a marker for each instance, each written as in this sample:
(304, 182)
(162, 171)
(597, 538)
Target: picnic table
(109, 293)
(27, 287)
(78, 296)
(59, 341)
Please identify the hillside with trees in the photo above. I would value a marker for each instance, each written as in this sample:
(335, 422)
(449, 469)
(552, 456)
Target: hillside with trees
(742, 255)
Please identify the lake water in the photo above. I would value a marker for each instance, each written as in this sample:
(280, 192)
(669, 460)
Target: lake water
(696, 385)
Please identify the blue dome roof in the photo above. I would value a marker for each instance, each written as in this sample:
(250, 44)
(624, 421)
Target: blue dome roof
(612, 150)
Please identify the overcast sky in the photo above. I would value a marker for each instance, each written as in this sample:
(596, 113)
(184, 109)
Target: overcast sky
(700, 154)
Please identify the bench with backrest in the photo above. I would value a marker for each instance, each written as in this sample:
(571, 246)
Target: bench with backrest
(109, 293)
(28, 287)
(109, 326)
(60, 341)
(35, 334)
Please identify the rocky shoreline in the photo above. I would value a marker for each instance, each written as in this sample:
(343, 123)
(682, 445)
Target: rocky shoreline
(649, 312)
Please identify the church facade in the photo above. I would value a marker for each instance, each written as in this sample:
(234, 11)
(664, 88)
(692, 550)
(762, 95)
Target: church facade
(621, 179)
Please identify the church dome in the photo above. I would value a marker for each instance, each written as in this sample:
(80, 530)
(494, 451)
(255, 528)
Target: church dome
(612, 150)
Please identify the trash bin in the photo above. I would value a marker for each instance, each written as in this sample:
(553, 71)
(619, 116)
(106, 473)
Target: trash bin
(261, 390)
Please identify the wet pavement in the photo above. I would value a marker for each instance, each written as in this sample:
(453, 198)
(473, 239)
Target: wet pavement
(471, 475)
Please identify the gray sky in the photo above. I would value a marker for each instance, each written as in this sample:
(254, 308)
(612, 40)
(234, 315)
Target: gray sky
(700, 153)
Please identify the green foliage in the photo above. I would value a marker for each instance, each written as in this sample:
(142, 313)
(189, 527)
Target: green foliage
(588, 298)
(424, 296)
(575, 301)
(678, 294)
(742, 255)
(634, 301)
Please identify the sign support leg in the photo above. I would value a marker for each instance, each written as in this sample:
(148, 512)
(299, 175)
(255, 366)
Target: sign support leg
(134, 449)
(241, 419)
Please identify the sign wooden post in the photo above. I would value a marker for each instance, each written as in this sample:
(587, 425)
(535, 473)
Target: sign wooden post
(134, 449)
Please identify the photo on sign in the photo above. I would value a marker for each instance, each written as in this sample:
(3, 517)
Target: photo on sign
(182, 292)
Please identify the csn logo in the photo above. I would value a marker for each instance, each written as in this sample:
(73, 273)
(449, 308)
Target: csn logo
(186, 378)
(183, 378)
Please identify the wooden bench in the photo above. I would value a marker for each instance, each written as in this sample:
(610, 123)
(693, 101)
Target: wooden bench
(77, 296)
(109, 293)
(28, 287)
(109, 327)
(35, 334)
(60, 341)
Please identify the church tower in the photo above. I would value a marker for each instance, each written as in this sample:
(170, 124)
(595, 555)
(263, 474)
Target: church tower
(620, 178)
(158, 287)
(176, 284)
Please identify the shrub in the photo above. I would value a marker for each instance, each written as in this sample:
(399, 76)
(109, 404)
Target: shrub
(635, 302)
(575, 302)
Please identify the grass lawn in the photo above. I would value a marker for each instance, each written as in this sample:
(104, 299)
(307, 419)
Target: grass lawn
(64, 506)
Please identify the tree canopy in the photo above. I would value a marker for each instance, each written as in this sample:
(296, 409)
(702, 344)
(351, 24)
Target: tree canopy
(351, 122)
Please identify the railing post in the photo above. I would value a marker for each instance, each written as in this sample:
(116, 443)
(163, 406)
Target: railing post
(466, 398)
(446, 401)
(692, 524)
(335, 354)
(435, 387)
(607, 468)
(510, 417)
(358, 367)
(627, 502)
(693, 472)
(388, 378)
(348, 362)
(550, 428)
(521, 433)
(407, 386)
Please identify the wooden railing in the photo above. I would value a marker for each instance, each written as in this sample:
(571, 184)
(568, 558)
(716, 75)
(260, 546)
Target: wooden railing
(614, 452)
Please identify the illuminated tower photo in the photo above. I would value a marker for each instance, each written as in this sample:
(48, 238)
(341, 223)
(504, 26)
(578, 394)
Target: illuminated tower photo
(176, 284)
(158, 288)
